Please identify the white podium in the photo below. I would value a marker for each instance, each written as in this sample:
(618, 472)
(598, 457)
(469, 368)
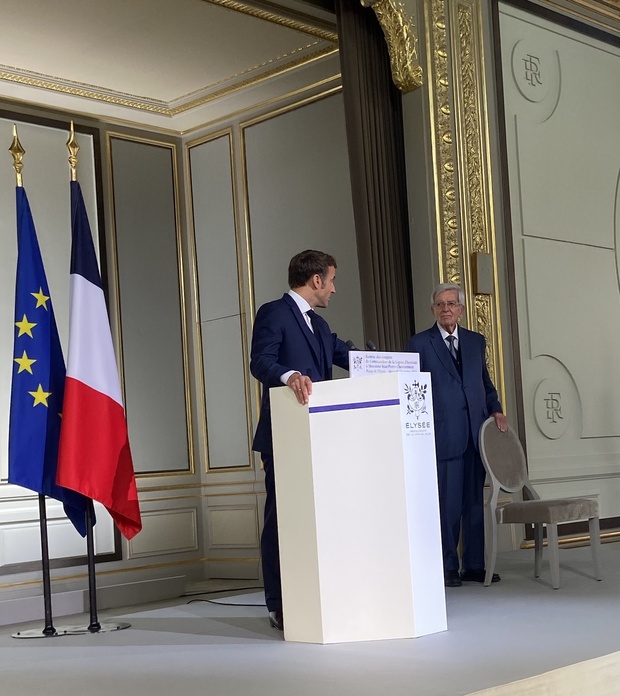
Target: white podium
(358, 513)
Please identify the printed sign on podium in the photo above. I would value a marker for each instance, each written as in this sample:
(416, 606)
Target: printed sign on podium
(375, 362)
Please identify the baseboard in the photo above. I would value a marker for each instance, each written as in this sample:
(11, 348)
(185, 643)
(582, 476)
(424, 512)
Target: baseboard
(25, 609)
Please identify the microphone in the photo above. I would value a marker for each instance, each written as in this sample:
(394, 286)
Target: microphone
(370, 345)
(350, 345)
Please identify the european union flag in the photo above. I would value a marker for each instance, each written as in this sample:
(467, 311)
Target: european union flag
(38, 377)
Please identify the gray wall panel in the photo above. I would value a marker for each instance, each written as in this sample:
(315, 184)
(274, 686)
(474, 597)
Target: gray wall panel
(227, 425)
(214, 227)
(218, 281)
(144, 199)
(299, 198)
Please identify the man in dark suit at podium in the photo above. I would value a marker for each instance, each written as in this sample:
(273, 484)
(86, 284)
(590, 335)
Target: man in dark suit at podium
(463, 398)
(292, 346)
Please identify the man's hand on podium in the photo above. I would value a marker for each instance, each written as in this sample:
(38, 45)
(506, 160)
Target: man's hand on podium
(301, 386)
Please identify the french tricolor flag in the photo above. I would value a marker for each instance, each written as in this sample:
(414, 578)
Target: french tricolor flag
(94, 456)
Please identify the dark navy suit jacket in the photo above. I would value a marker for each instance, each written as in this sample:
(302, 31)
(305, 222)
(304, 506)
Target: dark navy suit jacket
(460, 404)
(282, 341)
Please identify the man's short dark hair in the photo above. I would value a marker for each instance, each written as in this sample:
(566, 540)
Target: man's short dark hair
(310, 262)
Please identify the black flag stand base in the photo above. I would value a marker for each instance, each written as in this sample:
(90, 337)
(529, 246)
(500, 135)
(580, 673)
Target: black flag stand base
(70, 630)
(94, 626)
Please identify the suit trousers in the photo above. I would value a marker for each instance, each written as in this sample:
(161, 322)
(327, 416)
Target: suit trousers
(269, 545)
(461, 509)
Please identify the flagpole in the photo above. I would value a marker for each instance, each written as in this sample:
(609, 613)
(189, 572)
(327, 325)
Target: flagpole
(94, 625)
(49, 629)
(18, 152)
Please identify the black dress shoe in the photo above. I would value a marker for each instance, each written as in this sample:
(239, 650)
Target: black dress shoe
(477, 576)
(451, 578)
(276, 619)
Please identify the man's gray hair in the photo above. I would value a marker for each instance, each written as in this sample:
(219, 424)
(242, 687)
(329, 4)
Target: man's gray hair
(442, 287)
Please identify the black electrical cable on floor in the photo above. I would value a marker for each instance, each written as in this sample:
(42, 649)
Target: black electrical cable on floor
(227, 604)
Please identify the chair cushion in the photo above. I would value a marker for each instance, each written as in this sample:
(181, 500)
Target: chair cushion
(547, 511)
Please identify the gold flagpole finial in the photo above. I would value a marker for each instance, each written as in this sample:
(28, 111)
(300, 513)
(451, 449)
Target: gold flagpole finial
(18, 153)
(73, 148)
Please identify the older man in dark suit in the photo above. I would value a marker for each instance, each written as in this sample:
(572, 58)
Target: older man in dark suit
(463, 397)
(292, 346)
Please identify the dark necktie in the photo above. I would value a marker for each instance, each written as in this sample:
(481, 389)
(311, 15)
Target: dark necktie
(312, 316)
(315, 328)
(455, 354)
(451, 347)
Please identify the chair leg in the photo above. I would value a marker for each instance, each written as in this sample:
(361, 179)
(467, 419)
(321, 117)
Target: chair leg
(595, 543)
(554, 554)
(538, 548)
(492, 555)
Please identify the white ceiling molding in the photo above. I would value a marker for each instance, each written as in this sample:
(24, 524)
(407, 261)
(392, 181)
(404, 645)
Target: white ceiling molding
(157, 62)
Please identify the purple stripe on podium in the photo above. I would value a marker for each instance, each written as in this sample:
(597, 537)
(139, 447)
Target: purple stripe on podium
(352, 406)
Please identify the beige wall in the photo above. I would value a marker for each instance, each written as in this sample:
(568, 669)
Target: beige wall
(46, 181)
(563, 139)
(232, 201)
(198, 233)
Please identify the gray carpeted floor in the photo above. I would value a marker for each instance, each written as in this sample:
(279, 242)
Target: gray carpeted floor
(514, 629)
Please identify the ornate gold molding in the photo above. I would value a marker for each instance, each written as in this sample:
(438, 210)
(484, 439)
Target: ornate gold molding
(176, 106)
(401, 37)
(274, 18)
(442, 133)
(604, 14)
(254, 80)
(465, 223)
(474, 171)
(77, 89)
(306, 53)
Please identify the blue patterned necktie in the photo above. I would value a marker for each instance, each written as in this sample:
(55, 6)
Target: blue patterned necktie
(451, 348)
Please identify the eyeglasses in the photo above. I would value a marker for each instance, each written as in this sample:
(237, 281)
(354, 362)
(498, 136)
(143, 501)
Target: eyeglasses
(444, 305)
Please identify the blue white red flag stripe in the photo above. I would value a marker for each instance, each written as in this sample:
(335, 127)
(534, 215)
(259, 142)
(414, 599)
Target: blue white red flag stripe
(94, 457)
(95, 368)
